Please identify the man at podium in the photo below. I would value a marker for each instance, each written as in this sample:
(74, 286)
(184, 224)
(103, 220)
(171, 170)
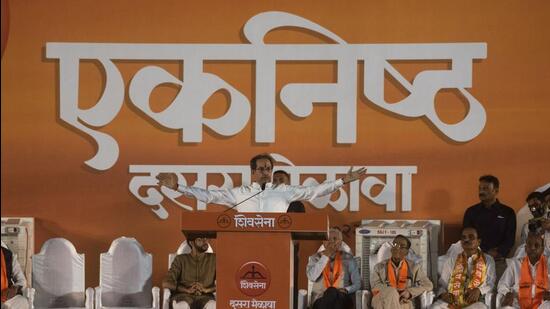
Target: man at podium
(261, 195)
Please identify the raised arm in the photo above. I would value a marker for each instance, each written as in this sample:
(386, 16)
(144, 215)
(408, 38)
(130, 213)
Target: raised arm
(221, 196)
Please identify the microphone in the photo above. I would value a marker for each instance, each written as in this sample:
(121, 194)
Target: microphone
(246, 199)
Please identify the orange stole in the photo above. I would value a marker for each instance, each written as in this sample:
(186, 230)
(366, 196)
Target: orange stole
(401, 282)
(526, 282)
(4, 277)
(332, 278)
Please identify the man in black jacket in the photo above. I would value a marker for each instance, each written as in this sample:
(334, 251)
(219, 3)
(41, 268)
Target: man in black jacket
(495, 222)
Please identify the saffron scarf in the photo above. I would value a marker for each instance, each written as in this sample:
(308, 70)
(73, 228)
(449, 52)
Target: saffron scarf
(526, 282)
(4, 283)
(333, 277)
(457, 282)
(401, 282)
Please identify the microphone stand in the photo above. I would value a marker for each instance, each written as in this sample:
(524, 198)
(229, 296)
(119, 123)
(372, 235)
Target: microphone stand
(246, 199)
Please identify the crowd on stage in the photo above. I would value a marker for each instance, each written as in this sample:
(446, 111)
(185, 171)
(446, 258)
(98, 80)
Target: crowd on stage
(481, 272)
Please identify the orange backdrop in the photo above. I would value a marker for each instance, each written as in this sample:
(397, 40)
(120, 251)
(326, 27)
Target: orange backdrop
(43, 174)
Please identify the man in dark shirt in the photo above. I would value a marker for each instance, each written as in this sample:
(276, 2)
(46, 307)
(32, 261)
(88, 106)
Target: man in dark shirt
(191, 278)
(495, 222)
(282, 177)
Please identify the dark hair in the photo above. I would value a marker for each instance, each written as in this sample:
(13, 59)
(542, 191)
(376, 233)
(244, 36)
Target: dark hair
(405, 238)
(490, 179)
(536, 230)
(282, 172)
(535, 195)
(261, 156)
(469, 227)
(546, 192)
(535, 227)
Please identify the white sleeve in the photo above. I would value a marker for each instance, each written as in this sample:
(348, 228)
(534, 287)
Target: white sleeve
(315, 266)
(221, 196)
(507, 281)
(489, 284)
(17, 273)
(301, 193)
(445, 276)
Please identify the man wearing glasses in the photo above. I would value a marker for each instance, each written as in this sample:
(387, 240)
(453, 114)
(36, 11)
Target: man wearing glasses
(262, 195)
(397, 281)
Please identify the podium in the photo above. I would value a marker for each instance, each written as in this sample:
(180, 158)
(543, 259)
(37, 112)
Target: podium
(254, 253)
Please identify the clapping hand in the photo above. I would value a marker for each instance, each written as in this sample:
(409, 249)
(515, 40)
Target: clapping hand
(168, 180)
(508, 299)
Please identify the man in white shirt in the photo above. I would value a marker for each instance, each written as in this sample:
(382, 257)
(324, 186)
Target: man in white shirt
(13, 281)
(468, 277)
(525, 283)
(262, 195)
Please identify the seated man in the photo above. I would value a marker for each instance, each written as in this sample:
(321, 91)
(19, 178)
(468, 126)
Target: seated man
(466, 278)
(396, 282)
(13, 281)
(191, 278)
(525, 283)
(334, 274)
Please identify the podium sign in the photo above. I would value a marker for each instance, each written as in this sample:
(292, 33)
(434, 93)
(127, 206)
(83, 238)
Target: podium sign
(254, 254)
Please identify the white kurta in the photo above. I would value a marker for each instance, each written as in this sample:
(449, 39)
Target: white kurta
(272, 199)
(509, 282)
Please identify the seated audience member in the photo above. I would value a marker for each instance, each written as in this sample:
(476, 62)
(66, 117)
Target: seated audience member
(282, 177)
(525, 283)
(537, 207)
(494, 222)
(13, 281)
(396, 282)
(191, 278)
(466, 278)
(334, 274)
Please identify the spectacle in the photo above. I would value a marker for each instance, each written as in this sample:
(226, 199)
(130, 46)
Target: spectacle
(398, 246)
(264, 169)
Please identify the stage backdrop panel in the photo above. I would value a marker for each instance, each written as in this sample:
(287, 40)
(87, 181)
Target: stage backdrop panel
(99, 96)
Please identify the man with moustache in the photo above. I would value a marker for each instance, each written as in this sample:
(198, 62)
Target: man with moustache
(525, 283)
(191, 278)
(466, 278)
(262, 195)
(494, 222)
(397, 281)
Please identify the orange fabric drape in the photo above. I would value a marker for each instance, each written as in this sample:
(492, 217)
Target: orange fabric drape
(401, 282)
(4, 276)
(526, 301)
(332, 277)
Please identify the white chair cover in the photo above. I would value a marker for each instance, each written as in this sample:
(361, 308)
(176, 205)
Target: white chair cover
(58, 276)
(125, 276)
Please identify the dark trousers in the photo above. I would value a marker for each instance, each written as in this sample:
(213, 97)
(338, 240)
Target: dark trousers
(334, 299)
